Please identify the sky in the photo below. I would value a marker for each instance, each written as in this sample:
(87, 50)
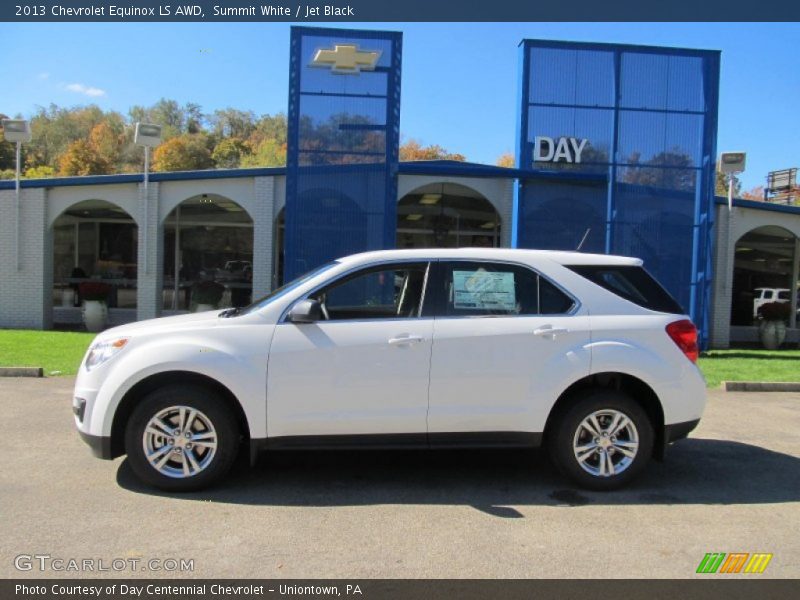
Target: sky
(459, 81)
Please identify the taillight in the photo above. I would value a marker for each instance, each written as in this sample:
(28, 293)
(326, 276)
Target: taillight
(684, 334)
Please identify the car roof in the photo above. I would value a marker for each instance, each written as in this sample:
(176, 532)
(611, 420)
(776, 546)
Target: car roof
(501, 254)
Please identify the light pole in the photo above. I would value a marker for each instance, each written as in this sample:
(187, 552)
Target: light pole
(17, 131)
(149, 136)
(730, 163)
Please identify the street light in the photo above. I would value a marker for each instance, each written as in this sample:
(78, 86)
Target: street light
(731, 163)
(149, 136)
(17, 131)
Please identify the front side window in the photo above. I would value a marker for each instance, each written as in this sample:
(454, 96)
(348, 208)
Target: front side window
(394, 292)
(496, 289)
(286, 288)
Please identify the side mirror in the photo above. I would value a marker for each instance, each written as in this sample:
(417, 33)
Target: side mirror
(305, 311)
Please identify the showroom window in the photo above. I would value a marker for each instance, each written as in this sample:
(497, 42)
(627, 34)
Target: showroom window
(380, 293)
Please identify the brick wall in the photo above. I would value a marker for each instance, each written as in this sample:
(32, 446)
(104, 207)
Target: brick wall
(25, 289)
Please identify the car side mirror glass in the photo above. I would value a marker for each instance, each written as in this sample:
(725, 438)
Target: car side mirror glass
(305, 311)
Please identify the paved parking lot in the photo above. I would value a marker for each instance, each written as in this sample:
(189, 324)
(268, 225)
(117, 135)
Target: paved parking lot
(733, 487)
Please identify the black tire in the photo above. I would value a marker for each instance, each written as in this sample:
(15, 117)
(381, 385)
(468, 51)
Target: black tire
(212, 407)
(561, 437)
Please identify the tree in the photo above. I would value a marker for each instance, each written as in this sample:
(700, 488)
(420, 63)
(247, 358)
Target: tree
(106, 140)
(757, 193)
(40, 172)
(677, 176)
(186, 152)
(721, 188)
(506, 160)
(232, 122)
(228, 153)
(194, 117)
(82, 159)
(54, 129)
(7, 150)
(269, 153)
(413, 150)
(269, 127)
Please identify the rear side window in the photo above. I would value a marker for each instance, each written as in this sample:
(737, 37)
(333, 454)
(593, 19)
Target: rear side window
(497, 289)
(631, 283)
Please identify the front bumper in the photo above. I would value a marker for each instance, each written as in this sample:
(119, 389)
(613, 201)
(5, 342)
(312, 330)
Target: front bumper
(99, 445)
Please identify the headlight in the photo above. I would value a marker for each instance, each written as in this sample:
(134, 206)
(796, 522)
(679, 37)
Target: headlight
(100, 352)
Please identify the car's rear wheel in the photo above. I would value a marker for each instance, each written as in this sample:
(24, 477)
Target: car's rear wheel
(603, 441)
(182, 438)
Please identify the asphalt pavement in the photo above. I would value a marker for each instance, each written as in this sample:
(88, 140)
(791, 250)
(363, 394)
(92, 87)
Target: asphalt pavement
(733, 486)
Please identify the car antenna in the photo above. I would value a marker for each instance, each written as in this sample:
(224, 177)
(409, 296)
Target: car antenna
(583, 239)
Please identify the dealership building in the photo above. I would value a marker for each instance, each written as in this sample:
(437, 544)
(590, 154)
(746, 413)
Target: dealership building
(615, 150)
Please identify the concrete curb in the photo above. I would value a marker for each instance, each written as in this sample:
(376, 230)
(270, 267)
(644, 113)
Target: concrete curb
(21, 372)
(761, 386)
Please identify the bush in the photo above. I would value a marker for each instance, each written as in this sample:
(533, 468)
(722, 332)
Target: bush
(776, 311)
(94, 290)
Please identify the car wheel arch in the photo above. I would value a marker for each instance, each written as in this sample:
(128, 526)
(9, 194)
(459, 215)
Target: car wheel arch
(637, 389)
(142, 387)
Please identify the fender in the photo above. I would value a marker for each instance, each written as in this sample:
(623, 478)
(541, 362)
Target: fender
(667, 378)
(240, 368)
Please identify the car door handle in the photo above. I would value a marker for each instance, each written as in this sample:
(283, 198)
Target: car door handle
(405, 339)
(549, 330)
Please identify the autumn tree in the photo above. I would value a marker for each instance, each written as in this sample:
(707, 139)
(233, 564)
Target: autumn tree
(413, 150)
(757, 193)
(187, 152)
(96, 155)
(106, 138)
(82, 159)
(506, 160)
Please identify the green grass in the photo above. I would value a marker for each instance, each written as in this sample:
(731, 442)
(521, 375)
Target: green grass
(60, 353)
(749, 365)
(57, 352)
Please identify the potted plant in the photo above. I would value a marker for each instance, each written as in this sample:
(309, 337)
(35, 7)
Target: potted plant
(772, 329)
(95, 310)
(206, 295)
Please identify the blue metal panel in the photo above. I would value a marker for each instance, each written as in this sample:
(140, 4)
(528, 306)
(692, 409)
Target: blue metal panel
(650, 115)
(343, 149)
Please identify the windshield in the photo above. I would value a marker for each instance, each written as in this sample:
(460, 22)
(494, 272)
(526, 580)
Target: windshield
(285, 288)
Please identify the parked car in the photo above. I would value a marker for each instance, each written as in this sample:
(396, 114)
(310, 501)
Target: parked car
(585, 354)
(762, 296)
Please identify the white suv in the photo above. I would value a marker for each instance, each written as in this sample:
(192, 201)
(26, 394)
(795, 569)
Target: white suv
(585, 354)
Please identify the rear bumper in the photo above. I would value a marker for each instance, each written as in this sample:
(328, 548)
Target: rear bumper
(678, 431)
(99, 445)
(672, 433)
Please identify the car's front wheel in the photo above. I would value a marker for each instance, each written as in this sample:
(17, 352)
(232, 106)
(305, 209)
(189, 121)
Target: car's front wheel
(181, 438)
(603, 441)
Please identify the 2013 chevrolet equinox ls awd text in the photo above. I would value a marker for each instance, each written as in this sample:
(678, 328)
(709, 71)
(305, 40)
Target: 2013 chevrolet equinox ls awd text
(585, 354)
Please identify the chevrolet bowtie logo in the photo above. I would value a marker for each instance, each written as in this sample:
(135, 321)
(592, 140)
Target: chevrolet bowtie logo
(346, 59)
